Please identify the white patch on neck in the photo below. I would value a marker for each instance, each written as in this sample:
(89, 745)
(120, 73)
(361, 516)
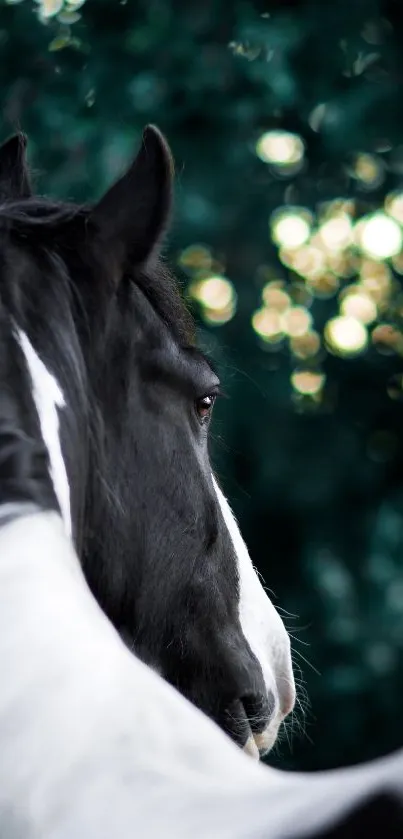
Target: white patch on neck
(48, 397)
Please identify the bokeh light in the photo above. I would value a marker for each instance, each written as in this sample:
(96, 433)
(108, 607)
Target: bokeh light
(343, 264)
(376, 280)
(345, 336)
(379, 236)
(215, 292)
(394, 205)
(217, 298)
(290, 227)
(307, 382)
(397, 262)
(307, 261)
(48, 8)
(275, 297)
(296, 321)
(324, 286)
(196, 257)
(306, 346)
(336, 233)
(217, 317)
(368, 170)
(335, 207)
(387, 339)
(267, 324)
(359, 305)
(282, 149)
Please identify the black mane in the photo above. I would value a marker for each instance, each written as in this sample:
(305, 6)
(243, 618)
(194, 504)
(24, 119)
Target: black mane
(55, 225)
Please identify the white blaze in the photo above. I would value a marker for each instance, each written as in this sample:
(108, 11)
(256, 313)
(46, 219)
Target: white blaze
(262, 627)
(48, 397)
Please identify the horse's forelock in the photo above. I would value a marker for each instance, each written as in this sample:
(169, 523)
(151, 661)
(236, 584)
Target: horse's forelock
(39, 224)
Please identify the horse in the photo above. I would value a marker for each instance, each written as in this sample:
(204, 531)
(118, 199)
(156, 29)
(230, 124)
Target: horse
(110, 382)
(94, 743)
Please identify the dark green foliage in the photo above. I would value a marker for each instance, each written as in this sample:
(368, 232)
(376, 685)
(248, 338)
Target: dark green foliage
(317, 487)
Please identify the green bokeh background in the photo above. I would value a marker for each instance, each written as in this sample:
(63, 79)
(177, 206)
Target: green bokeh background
(317, 487)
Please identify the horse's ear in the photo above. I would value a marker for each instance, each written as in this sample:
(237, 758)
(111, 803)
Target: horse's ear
(134, 214)
(14, 177)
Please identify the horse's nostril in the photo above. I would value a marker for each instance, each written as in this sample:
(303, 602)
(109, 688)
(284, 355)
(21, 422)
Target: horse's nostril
(235, 722)
(248, 722)
(259, 710)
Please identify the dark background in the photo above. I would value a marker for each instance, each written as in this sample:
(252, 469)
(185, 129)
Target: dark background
(315, 478)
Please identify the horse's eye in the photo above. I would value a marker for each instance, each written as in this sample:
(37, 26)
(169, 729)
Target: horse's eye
(204, 407)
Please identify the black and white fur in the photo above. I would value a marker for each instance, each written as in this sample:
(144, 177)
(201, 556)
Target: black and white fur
(116, 381)
(93, 743)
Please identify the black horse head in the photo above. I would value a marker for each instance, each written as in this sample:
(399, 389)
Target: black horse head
(123, 401)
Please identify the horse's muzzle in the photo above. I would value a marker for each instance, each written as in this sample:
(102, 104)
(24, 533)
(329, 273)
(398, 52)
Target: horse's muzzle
(249, 722)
